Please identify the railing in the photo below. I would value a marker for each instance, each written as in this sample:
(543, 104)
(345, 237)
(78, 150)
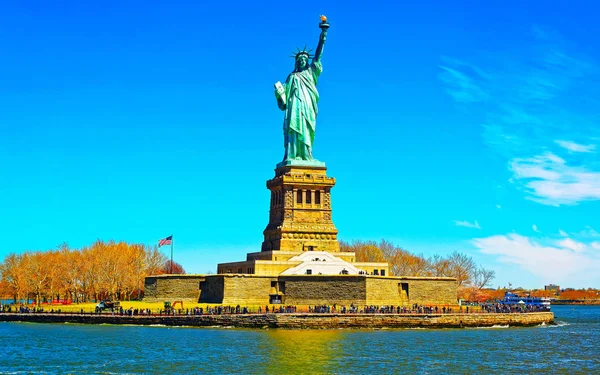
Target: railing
(283, 309)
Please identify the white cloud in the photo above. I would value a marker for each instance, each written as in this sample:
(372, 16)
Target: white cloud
(551, 181)
(588, 232)
(525, 100)
(461, 86)
(464, 223)
(535, 228)
(595, 245)
(576, 147)
(556, 263)
(563, 233)
(498, 206)
(571, 244)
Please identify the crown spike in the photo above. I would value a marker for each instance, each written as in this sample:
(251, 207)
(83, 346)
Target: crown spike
(302, 52)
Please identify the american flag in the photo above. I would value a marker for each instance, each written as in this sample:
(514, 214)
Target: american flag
(165, 241)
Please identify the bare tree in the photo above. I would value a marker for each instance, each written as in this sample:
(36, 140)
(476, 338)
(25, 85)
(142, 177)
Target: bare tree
(388, 249)
(483, 277)
(154, 260)
(439, 266)
(365, 251)
(462, 267)
(403, 263)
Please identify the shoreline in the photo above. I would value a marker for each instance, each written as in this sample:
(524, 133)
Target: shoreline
(576, 303)
(298, 320)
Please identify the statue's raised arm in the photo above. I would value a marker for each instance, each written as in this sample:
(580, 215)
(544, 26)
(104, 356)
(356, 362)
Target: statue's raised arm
(324, 26)
(298, 98)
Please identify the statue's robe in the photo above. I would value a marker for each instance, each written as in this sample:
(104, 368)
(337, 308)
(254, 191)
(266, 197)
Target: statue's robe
(301, 112)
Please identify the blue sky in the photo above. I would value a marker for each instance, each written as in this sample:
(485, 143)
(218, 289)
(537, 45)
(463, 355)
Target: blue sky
(471, 126)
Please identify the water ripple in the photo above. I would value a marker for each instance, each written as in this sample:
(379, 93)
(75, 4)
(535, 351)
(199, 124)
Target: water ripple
(569, 347)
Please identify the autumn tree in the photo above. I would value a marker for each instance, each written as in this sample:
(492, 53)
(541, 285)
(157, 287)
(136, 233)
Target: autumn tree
(365, 251)
(5, 290)
(439, 266)
(70, 270)
(37, 274)
(136, 272)
(470, 278)
(543, 293)
(404, 263)
(90, 274)
(103, 269)
(173, 268)
(154, 261)
(13, 274)
(579, 294)
(52, 259)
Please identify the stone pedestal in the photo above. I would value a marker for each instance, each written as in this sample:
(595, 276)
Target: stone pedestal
(300, 213)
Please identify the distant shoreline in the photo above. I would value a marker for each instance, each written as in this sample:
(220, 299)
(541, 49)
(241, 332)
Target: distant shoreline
(299, 320)
(583, 302)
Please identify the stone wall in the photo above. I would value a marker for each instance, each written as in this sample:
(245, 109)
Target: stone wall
(431, 291)
(299, 321)
(421, 290)
(383, 291)
(172, 287)
(211, 289)
(250, 290)
(324, 290)
(247, 290)
(273, 268)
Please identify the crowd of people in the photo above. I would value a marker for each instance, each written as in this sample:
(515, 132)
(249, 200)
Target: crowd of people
(290, 309)
(22, 309)
(130, 311)
(503, 308)
(214, 310)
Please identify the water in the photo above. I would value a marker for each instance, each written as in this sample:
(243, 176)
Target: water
(570, 347)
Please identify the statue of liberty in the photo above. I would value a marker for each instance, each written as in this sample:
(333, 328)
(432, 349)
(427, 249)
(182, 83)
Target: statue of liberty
(298, 98)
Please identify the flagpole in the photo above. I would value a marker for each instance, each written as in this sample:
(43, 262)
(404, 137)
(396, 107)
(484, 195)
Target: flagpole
(171, 270)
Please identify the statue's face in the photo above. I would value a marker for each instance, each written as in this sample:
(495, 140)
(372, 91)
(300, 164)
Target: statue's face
(301, 62)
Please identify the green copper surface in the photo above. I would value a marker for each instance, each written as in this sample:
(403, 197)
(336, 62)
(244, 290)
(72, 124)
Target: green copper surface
(301, 163)
(298, 98)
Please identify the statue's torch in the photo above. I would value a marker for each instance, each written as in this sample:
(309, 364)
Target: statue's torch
(324, 25)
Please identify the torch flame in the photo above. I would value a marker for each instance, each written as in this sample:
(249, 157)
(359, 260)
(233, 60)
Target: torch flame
(323, 19)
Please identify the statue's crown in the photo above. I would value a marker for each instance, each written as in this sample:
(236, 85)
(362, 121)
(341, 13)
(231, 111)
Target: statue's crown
(300, 52)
